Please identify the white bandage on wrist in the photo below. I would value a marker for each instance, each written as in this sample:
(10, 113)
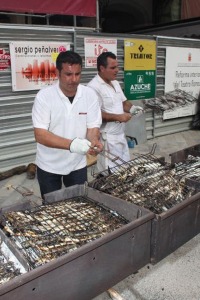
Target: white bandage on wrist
(80, 146)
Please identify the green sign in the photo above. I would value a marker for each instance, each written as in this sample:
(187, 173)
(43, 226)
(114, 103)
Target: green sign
(139, 84)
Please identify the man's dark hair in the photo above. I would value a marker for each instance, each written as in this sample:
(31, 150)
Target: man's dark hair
(69, 57)
(102, 59)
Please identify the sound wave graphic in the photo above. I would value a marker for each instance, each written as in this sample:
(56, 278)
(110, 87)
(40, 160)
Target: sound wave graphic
(44, 71)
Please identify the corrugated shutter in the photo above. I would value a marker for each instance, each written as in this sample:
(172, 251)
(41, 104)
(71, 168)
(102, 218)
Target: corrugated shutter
(155, 124)
(17, 144)
(88, 74)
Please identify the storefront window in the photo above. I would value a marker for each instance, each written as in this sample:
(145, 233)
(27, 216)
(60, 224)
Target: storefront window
(167, 11)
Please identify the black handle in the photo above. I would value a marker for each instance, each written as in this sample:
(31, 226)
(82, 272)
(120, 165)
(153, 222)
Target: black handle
(132, 138)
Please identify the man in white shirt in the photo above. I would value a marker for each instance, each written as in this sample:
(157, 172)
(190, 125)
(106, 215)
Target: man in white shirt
(116, 110)
(66, 118)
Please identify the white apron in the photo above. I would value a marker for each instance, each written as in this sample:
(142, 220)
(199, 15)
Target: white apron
(117, 145)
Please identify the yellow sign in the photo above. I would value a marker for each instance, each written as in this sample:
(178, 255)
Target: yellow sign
(139, 55)
(54, 56)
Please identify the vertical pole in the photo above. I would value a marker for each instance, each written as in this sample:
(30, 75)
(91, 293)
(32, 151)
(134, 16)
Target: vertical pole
(47, 19)
(74, 21)
(97, 16)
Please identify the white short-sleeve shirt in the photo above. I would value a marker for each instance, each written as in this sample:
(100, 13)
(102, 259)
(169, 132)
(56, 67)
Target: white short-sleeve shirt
(111, 101)
(53, 111)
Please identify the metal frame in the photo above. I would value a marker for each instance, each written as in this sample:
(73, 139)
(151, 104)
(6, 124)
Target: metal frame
(93, 268)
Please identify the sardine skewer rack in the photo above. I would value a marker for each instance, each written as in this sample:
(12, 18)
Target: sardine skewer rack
(93, 263)
(49, 231)
(76, 245)
(146, 181)
(171, 191)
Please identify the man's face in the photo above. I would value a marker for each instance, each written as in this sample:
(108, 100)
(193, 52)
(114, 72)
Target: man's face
(110, 72)
(69, 78)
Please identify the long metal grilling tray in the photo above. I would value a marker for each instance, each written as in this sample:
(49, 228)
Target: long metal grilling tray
(149, 182)
(76, 245)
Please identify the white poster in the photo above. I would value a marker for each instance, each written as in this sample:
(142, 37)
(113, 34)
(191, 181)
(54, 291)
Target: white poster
(95, 46)
(33, 64)
(182, 70)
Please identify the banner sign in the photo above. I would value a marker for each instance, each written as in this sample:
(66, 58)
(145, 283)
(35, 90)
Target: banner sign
(4, 59)
(33, 64)
(139, 69)
(95, 46)
(85, 8)
(182, 70)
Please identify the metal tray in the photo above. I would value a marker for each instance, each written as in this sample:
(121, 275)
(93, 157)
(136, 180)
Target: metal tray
(93, 268)
(180, 223)
(181, 155)
(172, 229)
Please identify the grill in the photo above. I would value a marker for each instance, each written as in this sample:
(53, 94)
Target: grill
(71, 246)
(186, 163)
(190, 168)
(162, 189)
(49, 231)
(146, 181)
(181, 155)
(82, 240)
(8, 269)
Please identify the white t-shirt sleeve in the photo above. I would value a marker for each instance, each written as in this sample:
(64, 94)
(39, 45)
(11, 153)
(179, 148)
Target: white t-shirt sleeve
(94, 111)
(41, 112)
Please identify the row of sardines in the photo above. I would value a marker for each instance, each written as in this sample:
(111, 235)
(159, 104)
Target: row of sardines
(145, 203)
(171, 100)
(152, 183)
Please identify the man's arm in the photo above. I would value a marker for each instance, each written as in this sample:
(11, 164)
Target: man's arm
(127, 105)
(108, 117)
(77, 145)
(51, 140)
(93, 135)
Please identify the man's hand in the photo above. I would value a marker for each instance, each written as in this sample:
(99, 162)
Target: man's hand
(95, 148)
(136, 110)
(123, 118)
(80, 146)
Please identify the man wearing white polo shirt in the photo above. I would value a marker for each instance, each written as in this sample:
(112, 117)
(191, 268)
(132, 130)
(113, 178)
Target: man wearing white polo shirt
(116, 110)
(66, 118)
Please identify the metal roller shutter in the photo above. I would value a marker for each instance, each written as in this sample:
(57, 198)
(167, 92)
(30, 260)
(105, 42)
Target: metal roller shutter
(17, 144)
